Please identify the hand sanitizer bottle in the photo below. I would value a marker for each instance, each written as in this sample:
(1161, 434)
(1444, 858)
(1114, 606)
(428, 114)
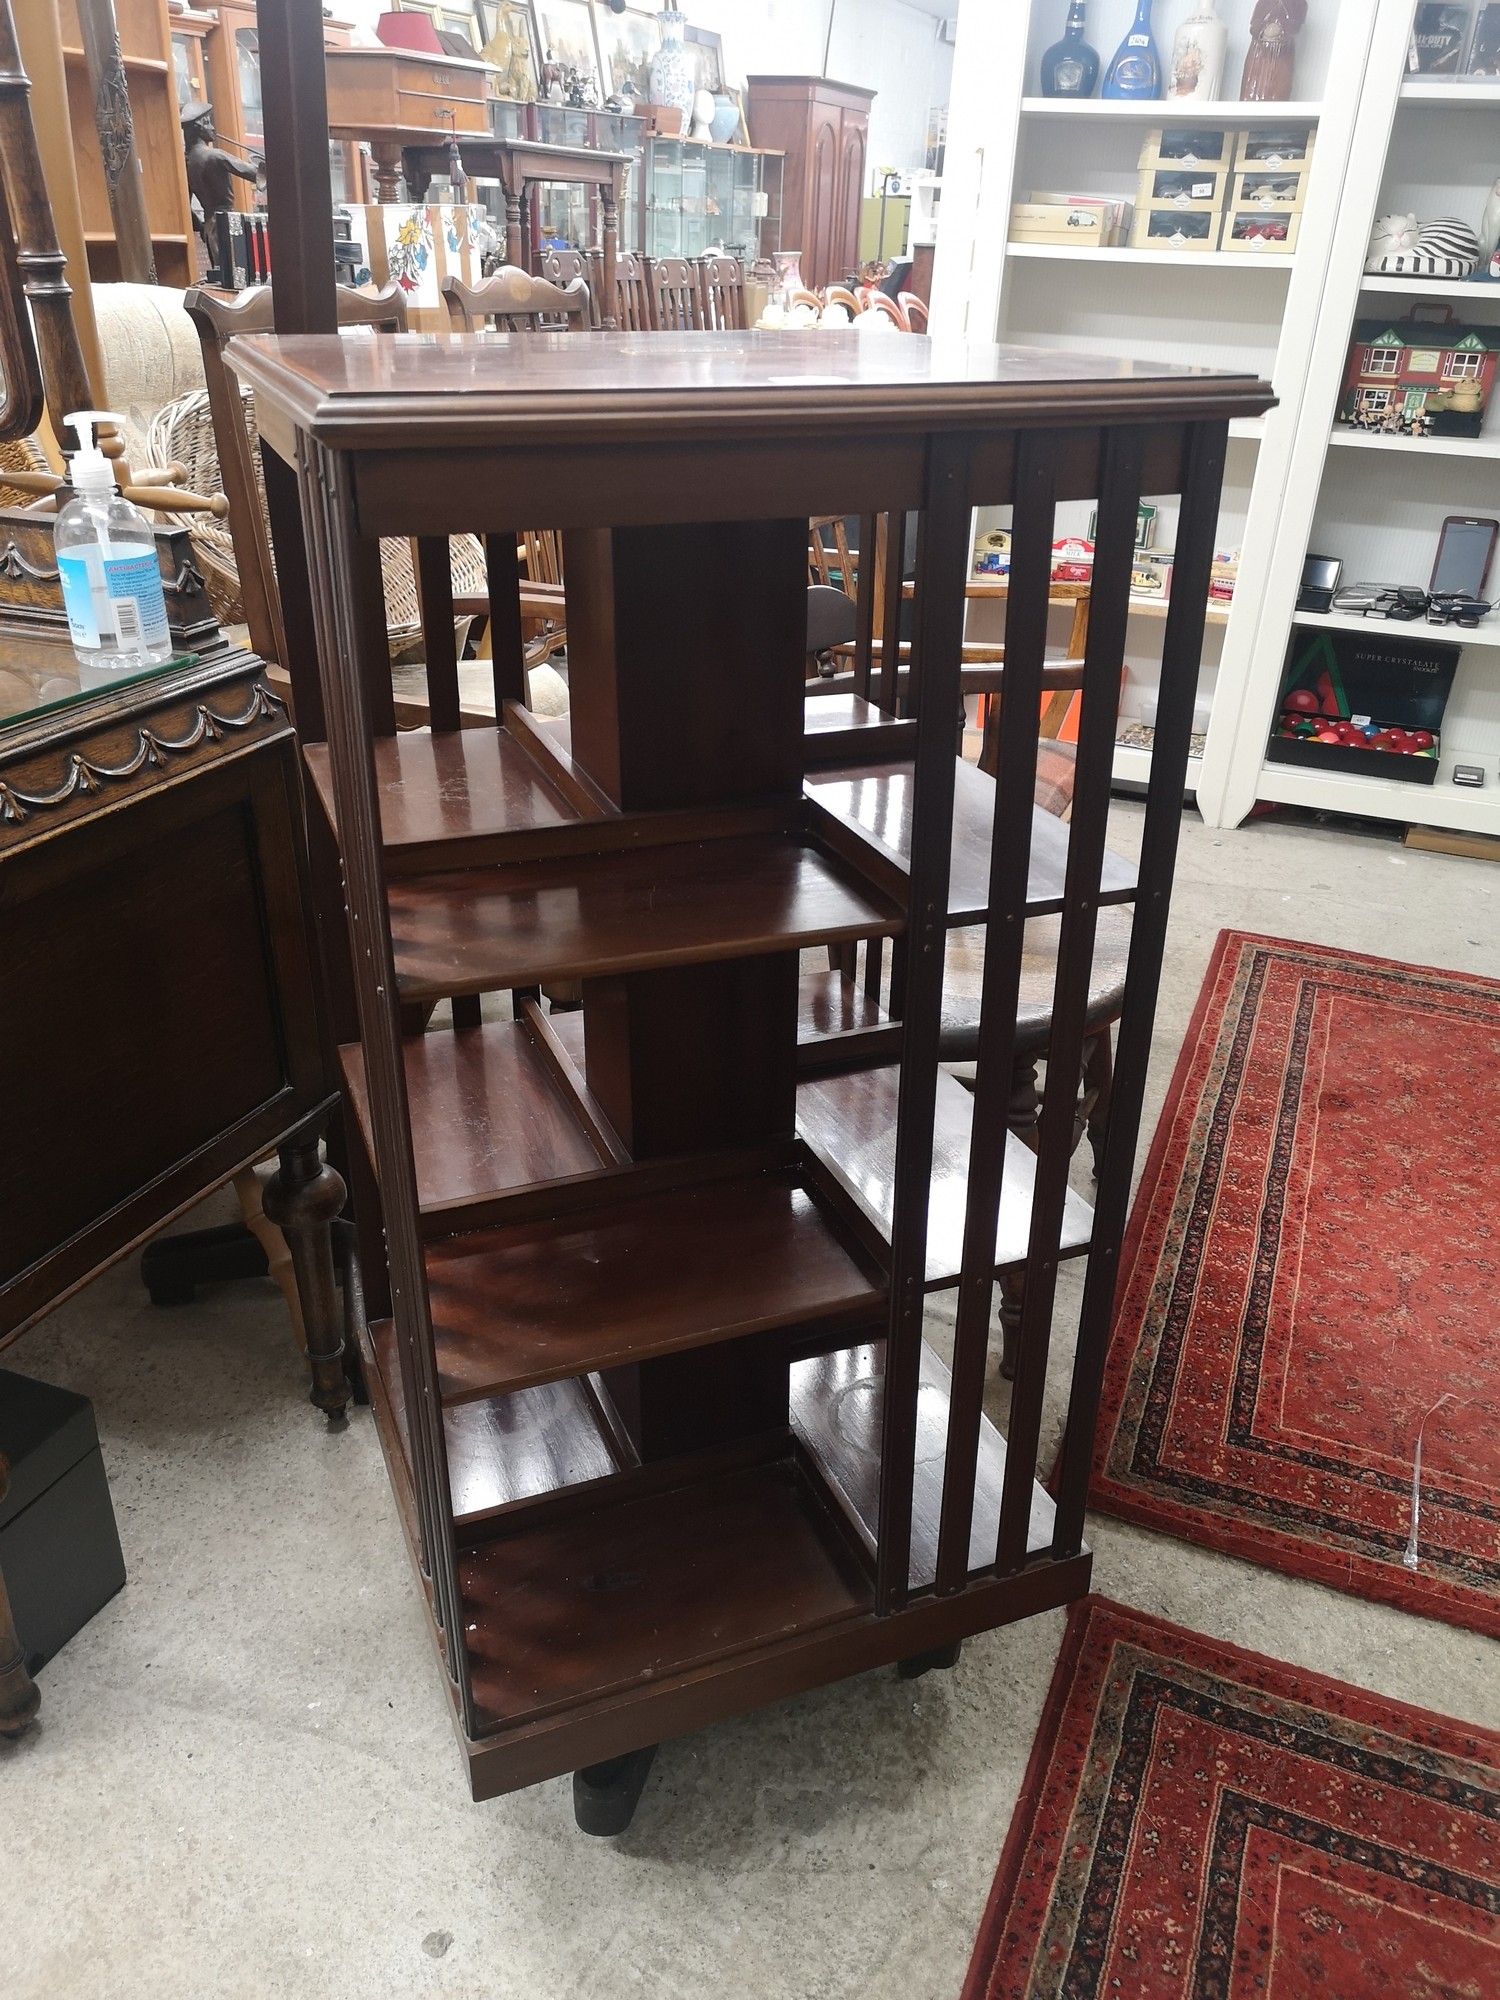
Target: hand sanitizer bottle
(106, 557)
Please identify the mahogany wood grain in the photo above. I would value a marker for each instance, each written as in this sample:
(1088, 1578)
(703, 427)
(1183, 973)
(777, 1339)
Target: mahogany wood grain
(507, 1450)
(685, 1268)
(849, 1122)
(874, 803)
(473, 392)
(654, 664)
(837, 1405)
(613, 913)
(463, 785)
(486, 1114)
(600, 1603)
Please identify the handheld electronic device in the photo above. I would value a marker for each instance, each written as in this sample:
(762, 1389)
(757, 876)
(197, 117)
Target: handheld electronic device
(1320, 579)
(1465, 547)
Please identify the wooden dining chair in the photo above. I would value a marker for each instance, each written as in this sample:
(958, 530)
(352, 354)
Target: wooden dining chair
(721, 288)
(840, 295)
(877, 301)
(217, 317)
(676, 304)
(915, 308)
(632, 294)
(512, 301)
(563, 267)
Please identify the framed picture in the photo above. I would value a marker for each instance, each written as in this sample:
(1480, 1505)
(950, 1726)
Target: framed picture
(704, 50)
(506, 27)
(742, 135)
(565, 35)
(627, 44)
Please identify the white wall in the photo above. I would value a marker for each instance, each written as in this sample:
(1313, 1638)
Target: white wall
(882, 45)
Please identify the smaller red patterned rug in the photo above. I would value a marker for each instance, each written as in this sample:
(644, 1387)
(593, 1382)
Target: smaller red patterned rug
(1202, 1823)
(1311, 1282)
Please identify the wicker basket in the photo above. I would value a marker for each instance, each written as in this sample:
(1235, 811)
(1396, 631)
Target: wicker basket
(184, 431)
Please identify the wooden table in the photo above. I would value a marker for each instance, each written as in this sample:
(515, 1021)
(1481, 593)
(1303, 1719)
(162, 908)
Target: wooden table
(419, 156)
(647, 1360)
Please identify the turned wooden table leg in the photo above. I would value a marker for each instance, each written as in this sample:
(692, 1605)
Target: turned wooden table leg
(609, 203)
(19, 1696)
(513, 228)
(387, 160)
(302, 1198)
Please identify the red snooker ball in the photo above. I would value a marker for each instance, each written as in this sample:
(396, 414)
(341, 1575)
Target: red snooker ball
(1304, 700)
(1421, 739)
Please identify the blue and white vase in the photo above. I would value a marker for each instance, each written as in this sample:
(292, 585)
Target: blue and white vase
(1135, 69)
(672, 81)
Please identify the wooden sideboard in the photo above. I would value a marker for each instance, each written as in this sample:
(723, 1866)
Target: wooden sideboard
(823, 129)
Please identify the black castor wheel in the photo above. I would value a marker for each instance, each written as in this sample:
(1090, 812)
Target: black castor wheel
(605, 1796)
(927, 1663)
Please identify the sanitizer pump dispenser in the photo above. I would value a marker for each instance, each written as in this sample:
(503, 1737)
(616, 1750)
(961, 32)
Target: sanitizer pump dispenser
(106, 557)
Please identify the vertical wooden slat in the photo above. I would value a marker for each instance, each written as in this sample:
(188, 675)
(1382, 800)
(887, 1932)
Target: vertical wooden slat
(1182, 653)
(890, 611)
(298, 181)
(1121, 458)
(942, 555)
(874, 966)
(329, 514)
(435, 588)
(864, 610)
(1005, 931)
(507, 649)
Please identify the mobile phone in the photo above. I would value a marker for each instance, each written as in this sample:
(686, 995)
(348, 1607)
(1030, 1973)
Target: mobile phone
(1465, 546)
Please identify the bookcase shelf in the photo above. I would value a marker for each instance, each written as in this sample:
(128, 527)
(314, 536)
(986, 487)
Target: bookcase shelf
(603, 914)
(644, 1293)
(639, 1276)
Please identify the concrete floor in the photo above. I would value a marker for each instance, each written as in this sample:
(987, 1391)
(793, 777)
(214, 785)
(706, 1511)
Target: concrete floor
(244, 1781)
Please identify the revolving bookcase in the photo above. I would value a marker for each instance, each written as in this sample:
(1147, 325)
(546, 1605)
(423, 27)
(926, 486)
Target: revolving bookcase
(646, 1351)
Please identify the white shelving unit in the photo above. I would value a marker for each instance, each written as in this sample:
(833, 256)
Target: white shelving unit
(1257, 310)
(1376, 502)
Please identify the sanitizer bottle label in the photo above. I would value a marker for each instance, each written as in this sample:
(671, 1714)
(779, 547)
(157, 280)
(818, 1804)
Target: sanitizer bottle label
(114, 603)
(133, 584)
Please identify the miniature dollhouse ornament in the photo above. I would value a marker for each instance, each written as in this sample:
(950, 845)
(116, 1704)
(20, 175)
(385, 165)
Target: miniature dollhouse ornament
(1197, 66)
(1135, 67)
(671, 77)
(1267, 76)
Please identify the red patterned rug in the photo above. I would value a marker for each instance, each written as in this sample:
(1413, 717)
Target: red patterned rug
(1311, 1282)
(1200, 1823)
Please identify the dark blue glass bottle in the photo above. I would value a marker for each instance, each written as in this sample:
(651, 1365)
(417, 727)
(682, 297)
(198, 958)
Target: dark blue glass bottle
(1070, 68)
(1135, 68)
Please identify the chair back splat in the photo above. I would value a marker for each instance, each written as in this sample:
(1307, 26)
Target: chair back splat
(512, 301)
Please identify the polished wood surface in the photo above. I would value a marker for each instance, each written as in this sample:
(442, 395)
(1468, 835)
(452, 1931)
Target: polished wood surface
(874, 802)
(687, 953)
(460, 786)
(837, 1410)
(849, 1122)
(532, 1302)
(505, 1450)
(158, 989)
(475, 390)
(615, 913)
(600, 1602)
(488, 1112)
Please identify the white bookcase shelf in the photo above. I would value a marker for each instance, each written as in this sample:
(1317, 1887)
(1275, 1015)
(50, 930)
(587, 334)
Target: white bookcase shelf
(1429, 447)
(1249, 310)
(1155, 111)
(1186, 261)
(1380, 515)
(1470, 93)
